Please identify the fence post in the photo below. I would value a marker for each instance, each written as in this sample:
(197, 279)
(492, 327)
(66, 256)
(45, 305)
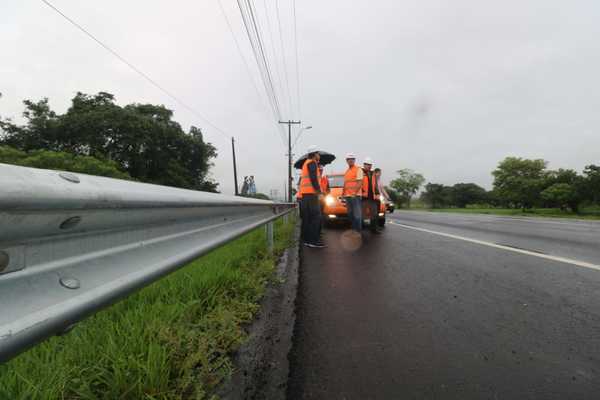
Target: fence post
(269, 230)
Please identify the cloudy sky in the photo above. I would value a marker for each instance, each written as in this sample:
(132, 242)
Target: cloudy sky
(447, 88)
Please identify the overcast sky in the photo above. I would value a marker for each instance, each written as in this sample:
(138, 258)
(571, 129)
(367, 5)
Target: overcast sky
(447, 88)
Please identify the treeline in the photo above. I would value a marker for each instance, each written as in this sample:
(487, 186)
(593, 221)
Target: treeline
(99, 137)
(522, 183)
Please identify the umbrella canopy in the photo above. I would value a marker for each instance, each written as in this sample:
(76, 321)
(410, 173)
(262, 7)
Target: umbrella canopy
(326, 158)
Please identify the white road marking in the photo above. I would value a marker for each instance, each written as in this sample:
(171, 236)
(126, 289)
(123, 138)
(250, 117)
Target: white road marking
(502, 247)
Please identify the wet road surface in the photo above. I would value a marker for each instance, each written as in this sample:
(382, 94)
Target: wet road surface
(414, 314)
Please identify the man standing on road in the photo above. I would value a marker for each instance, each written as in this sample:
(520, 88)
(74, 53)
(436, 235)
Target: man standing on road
(310, 189)
(352, 192)
(324, 181)
(370, 193)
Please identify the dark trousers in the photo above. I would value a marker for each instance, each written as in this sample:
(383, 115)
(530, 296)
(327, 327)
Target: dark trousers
(311, 218)
(373, 206)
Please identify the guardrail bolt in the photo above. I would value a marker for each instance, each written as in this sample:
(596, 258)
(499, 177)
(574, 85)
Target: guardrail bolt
(4, 260)
(69, 283)
(70, 223)
(69, 177)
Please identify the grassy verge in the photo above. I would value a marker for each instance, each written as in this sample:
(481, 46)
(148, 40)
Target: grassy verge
(171, 340)
(591, 213)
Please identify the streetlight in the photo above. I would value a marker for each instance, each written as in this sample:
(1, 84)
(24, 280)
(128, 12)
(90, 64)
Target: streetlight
(300, 133)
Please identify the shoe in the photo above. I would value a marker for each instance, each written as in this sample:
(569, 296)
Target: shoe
(377, 232)
(316, 245)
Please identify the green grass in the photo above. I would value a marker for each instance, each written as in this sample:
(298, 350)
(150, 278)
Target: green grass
(586, 213)
(171, 340)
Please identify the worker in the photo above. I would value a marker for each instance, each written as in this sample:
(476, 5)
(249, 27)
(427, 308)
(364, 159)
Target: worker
(324, 181)
(299, 201)
(380, 185)
(324, 189)
(310, 189)
(370, 194)
(351, 192)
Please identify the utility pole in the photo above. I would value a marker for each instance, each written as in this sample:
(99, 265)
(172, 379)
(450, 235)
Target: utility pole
(234, 166)
(290, 179)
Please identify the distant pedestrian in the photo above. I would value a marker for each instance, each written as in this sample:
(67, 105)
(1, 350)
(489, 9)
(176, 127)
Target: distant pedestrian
(245, 186)
(251, 186)
(310, 189)
(353, 179)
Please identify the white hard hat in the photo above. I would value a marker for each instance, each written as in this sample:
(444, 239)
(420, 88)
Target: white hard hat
(350, 155)
(312, 149)
(368, 160)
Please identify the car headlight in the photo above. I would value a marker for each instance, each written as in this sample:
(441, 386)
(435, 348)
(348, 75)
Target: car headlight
(329, 200)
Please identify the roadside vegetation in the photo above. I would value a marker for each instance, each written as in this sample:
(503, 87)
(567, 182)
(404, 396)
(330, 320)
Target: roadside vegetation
(172, 340)
(99, 137)
(521, 187)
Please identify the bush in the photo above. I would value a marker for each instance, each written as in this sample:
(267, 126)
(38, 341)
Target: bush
(62, 161)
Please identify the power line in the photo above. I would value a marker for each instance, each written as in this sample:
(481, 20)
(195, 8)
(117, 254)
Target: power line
(297, 62)
(287, 82)
(273, 52)
(240, 53)
(137, 70)
(254, 36)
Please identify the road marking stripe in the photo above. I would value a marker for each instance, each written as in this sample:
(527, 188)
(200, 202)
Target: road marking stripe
(502, 247)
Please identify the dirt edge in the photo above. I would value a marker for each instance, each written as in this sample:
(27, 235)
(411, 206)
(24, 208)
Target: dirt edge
(261, 364)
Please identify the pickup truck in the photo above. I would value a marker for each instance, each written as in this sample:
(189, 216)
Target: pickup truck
(334, 205)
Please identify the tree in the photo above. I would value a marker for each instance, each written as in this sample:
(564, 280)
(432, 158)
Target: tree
(436, 195)
(564, 188)
(142, 139)
(407, 184)
(562, 195)
(591, 178)
(467, 193)
(518, 182)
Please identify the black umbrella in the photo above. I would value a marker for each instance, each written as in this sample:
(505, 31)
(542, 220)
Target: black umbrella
(326, 158)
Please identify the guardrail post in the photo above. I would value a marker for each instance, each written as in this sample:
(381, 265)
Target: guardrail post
(269, 230)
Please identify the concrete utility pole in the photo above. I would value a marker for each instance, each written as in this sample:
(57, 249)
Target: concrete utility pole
(290, 180)
(235, 182)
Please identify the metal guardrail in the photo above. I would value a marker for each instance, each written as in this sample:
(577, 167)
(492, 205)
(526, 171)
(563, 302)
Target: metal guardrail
(72, 244)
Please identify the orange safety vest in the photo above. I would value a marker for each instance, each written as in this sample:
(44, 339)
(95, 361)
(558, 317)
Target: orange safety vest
(324, 184)
(306, 186)
(353, 181)
(298, 193)
(365, 185)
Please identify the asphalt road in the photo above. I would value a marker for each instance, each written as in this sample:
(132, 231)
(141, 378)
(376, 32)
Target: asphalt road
(444, 306)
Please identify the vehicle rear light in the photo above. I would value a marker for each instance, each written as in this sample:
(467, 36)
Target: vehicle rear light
(332, 216)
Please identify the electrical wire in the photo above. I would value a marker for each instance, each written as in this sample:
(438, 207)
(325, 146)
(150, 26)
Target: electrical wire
(138, 71)
(255, 37)
(245, 62)
(287, 82)
(297, 62)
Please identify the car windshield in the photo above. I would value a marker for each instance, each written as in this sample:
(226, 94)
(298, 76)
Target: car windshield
(336, 181)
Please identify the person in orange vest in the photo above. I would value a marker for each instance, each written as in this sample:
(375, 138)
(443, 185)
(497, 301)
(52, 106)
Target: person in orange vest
(324, 189)
(370, 194)
(351, 192)
(310, 190)
(299, 201)
(324, 181)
